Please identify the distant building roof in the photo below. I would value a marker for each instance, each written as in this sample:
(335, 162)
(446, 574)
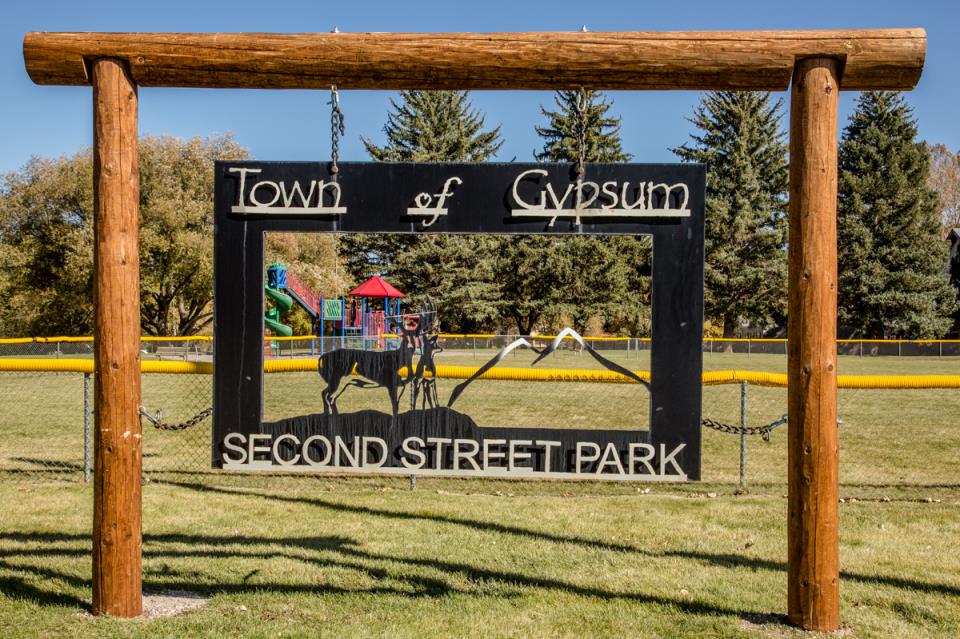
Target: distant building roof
(375, 287)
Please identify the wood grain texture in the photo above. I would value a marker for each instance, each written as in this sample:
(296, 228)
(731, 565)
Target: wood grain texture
(813, 569)
(117, 461)
(756, 60)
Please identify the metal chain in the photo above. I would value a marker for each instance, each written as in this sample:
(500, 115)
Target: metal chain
(581, 106)
(763, 431)
(336, 129)
(158, 423)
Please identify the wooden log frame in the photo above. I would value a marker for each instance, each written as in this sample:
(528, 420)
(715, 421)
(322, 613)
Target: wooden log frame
(820, 63)
(116, 294)
(813, 542)
(755, 60)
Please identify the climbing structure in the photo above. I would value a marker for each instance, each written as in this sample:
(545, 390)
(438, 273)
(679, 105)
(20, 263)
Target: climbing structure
(356, 320)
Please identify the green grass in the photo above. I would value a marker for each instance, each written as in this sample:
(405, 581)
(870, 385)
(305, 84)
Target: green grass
(365, 556)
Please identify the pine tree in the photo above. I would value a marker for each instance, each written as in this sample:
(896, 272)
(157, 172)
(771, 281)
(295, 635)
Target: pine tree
(435, 126)
(579, 279)
(892, 275)
(581, 122)
(742, 145)
(454, 271)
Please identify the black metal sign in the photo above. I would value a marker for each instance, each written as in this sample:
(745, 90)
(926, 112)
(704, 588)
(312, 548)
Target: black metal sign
(429, 435)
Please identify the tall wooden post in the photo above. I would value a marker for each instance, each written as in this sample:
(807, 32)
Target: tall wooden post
(813, 598)
(117, 463)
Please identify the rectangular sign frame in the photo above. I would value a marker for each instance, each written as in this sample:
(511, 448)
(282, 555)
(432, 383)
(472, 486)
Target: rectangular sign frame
(664, 201)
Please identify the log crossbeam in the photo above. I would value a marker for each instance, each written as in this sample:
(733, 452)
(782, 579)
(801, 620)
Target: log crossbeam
(696, 60)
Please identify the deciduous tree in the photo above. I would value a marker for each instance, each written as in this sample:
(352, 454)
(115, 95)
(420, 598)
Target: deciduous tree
(46, 239)
(945, 180)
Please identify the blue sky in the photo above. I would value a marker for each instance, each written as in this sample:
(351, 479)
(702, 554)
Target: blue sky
(294, 125)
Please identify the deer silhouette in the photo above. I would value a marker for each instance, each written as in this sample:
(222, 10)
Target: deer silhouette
(428, 348)
(378, 368)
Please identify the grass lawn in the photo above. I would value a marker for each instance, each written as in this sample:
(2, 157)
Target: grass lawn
(365, 556)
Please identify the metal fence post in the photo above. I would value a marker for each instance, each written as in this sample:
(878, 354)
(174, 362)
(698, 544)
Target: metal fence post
(87, 423)
(743, 437)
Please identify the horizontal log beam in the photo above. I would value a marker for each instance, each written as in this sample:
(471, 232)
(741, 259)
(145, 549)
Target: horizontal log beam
(708, 60)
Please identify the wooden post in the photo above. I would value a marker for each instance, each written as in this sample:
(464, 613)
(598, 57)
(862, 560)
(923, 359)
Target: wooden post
(117, 462)
(813, 598)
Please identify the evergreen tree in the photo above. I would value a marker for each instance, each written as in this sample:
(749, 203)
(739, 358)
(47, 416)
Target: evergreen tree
(892, 257)
(435, 126)
(576, 280)
(454, 271)
(581, 122)
(742, 145)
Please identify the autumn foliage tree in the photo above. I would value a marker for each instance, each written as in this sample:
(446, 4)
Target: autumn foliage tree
(46, 239)
(945, 180)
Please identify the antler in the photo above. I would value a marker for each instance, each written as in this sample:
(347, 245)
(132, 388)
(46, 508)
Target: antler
(433, 325)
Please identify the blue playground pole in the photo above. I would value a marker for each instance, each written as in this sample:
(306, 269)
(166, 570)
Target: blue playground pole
(322, 320)
(363, 323)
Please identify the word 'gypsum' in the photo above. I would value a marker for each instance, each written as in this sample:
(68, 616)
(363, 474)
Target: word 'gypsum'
(450, 456)
(606, 199)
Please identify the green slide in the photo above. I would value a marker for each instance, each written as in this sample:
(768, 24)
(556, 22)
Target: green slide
(281, 304)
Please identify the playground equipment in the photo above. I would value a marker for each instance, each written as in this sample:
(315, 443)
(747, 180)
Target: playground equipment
(360, 324)
(351, 320)
(276, 282)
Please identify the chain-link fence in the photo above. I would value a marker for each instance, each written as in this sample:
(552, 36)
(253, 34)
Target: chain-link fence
(46, 417)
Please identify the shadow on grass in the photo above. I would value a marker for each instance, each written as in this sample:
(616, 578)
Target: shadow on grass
(324, 552)
(727, 560)
(26, 572)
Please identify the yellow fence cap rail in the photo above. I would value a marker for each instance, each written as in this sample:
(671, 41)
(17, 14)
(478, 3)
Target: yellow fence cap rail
(756, 378)
(36, 364)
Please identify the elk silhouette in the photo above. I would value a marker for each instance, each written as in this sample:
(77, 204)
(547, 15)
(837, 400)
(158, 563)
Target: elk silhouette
(428, 348)
(379, 368)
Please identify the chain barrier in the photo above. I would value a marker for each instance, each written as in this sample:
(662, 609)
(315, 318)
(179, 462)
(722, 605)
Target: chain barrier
(159, 424)
(763, 431)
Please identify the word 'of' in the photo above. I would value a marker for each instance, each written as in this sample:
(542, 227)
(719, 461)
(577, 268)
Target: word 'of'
(423, 201)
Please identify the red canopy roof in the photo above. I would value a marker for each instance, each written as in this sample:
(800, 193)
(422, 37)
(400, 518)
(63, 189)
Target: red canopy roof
(375, 287)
